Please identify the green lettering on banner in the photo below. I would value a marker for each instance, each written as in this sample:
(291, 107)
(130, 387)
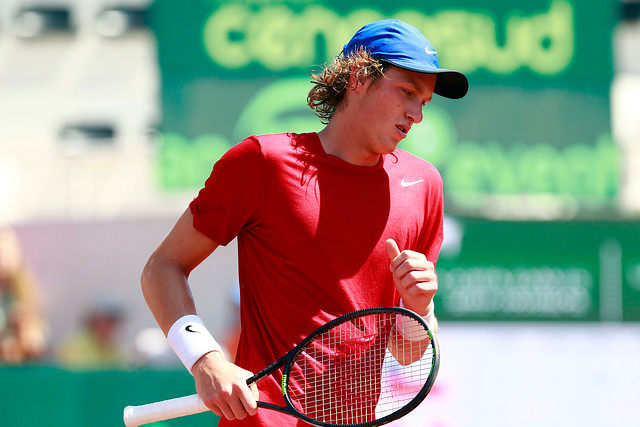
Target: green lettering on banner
(588, 174)
(544, 292)
(225, 38)
(184, 164)
(277, 38)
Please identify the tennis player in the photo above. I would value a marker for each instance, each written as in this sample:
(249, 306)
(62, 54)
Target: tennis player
(326, 223)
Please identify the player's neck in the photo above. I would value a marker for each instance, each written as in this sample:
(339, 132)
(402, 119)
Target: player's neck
(340, 141)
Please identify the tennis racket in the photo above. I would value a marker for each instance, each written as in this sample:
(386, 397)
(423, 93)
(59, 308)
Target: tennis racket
(365, 368)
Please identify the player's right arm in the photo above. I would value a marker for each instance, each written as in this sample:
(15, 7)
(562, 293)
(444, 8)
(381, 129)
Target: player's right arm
(220, 384)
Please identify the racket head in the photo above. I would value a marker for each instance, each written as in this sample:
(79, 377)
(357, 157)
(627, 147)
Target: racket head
(366, 368)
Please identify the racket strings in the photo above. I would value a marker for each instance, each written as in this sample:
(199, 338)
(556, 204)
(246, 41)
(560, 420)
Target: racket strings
(363, 370)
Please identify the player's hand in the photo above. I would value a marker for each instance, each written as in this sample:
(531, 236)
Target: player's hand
(414, 277)
(222, 386)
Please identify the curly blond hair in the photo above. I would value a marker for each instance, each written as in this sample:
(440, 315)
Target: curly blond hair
(330, 84)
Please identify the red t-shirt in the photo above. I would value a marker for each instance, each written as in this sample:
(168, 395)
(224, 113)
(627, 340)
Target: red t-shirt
(311, 231)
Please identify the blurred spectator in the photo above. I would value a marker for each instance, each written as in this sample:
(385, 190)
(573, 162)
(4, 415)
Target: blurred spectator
(151, 350)
(96, 344)
(22, 327)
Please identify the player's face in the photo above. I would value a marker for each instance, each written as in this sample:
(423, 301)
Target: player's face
(390, 105)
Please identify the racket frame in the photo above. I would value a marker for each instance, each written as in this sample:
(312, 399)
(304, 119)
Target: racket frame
(287, 360)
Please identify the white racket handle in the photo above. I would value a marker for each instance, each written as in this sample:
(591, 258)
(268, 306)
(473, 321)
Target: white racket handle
(163, 410)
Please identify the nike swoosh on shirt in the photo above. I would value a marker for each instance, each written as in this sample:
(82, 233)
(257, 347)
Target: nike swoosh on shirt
(189, 328)
(410, 183)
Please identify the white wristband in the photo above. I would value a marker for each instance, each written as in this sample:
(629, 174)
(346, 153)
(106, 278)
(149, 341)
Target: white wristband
(190, 340)
(430, 317)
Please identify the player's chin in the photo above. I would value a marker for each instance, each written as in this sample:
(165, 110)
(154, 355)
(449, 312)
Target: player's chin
(390, 145)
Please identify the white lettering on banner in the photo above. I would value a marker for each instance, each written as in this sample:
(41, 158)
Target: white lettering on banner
(519, 292)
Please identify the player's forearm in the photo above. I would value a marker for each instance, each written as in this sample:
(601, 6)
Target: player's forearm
(166, 291)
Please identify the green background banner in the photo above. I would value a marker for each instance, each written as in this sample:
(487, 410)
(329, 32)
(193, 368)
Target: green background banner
(561, 271)
(531, 139)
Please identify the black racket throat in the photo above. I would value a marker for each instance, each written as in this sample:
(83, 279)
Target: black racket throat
(366, 368)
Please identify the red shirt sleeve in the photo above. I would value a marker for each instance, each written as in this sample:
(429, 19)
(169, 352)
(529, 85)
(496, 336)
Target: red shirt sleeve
(232, 194)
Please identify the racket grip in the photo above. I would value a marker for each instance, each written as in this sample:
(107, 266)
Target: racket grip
(163, 410)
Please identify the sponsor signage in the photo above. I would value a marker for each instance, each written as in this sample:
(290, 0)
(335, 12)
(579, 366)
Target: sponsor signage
(531, 139)
(568, 271)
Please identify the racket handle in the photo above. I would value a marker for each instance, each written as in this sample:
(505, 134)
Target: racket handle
(163, 410)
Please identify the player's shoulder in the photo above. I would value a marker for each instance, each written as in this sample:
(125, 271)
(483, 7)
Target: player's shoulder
(261, 145)
(402, 160)
(282, 141)
(270, 146)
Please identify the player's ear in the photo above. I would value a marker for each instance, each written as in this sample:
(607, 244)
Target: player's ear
(353, 78)
(358, 80)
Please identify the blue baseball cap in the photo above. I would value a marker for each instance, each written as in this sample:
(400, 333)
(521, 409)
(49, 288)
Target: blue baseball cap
(400, 44)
